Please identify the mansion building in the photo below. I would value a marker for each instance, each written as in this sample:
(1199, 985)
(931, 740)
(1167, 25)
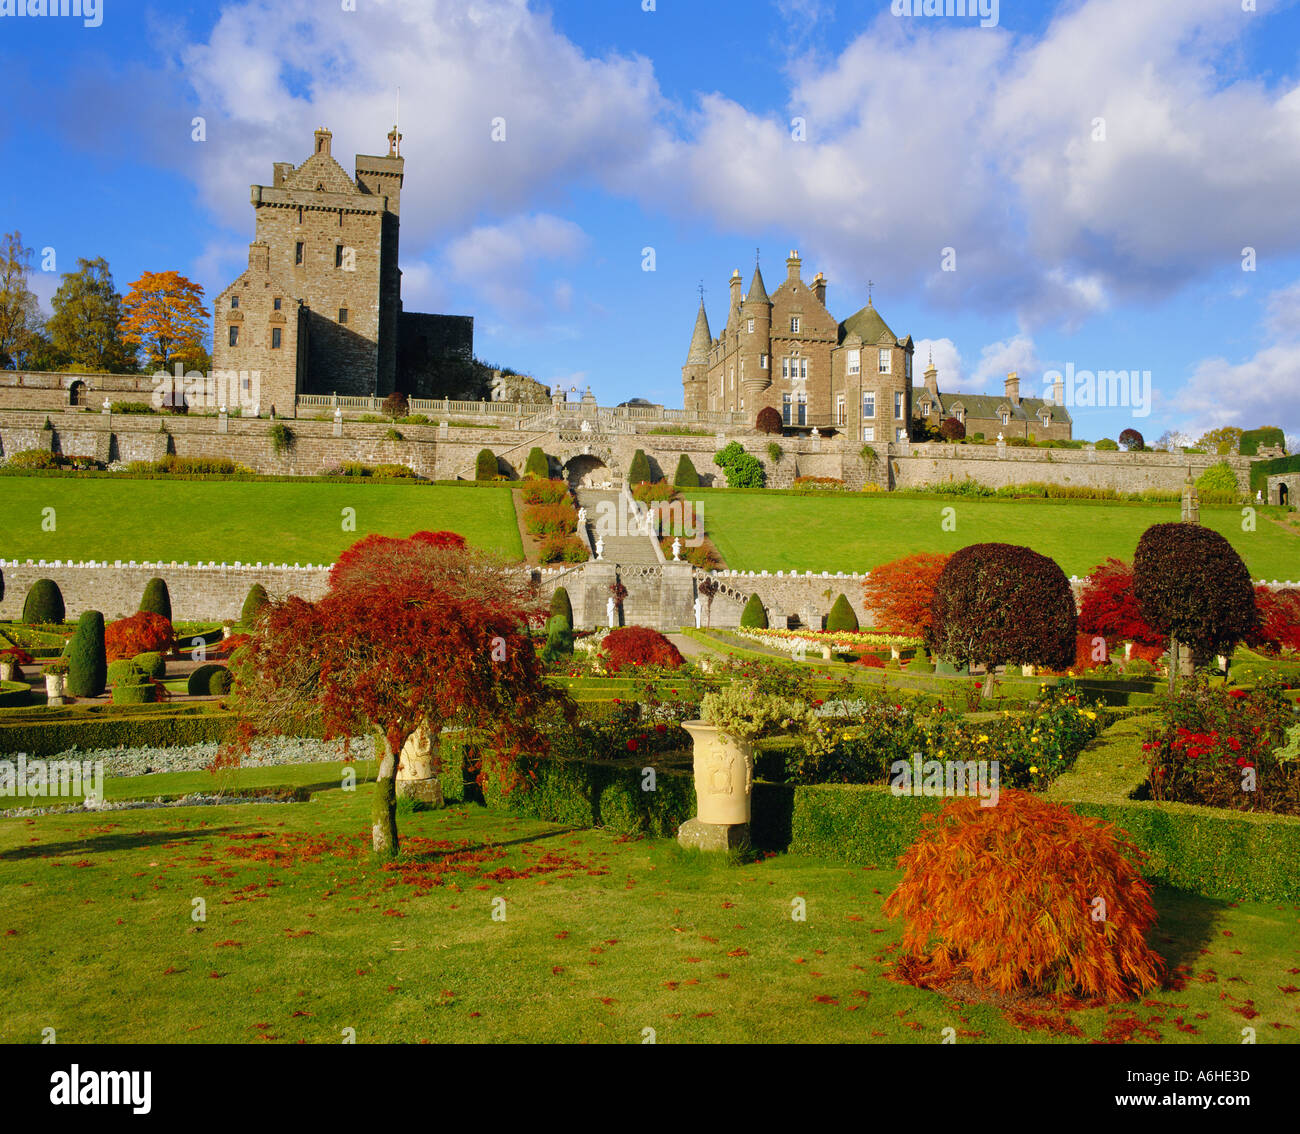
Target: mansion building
(319, 309)
(788, 352)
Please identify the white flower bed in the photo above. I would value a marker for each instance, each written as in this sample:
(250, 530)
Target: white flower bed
(196, 757)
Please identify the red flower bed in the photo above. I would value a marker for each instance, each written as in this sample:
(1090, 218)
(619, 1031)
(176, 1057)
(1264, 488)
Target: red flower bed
(871, 661)
(17, 655)
(142, 633)
(630, 646)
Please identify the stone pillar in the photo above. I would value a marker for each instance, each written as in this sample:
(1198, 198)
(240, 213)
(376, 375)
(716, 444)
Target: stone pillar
(676, 596)
(596, 578)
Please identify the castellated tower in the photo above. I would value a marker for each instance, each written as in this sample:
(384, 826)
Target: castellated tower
(695, 374)
(754, 375)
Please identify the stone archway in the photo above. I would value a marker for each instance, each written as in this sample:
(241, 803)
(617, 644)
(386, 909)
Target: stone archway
(77, 394)
(587, 470)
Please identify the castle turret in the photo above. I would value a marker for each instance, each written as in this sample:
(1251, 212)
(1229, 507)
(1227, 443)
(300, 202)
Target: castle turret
(755, 345)
(695, 372)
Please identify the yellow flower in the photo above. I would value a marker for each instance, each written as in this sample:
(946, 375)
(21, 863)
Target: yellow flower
(1091, 716)
(983, 739)
(1033, 769)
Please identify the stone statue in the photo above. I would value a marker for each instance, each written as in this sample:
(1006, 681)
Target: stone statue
(1000, 438)
(600, 546)
(610, 613)
(582, 517)
(1259, 496)
(586, 427)
(677, 552)
(816, 432)
(697, 612)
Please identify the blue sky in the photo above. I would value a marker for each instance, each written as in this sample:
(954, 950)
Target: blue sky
(1111, 245)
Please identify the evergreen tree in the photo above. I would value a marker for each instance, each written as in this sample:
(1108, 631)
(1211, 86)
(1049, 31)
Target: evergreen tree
(537, 464)
(485, 465)
(257, 598)
(686, 476)
(87, 660)
(561, 606)
(157, 599)
(639, 470)
(44, 603)
(754, 617)
(841, 617)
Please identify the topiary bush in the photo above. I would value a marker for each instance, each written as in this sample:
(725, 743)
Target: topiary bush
(1106, 445)
(208, 680)
(754, 616)
(1218, 477)
(768, 420)
(537, 465)
(561, 605)
(124, 671)
(685, 477)
(1026, 896)
(633, 646)
(151, 664)
(1192, 586)
(559, 640)
(485, 465)
(1000, 604)
(87, 660)
(638, 472)
(157, 599)
(141, 693)
(256, 599)
(841, 616)
(44, 603)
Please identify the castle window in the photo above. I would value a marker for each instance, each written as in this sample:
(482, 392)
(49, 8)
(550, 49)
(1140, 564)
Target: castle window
(785, 409)
(297, 253)
(925, 409)
(338, 255)
(234, 336)
(802, 406)
(749, 326)
(855, 362)
(343, 314)
(276, 301)
(839, 410)
(1006, 417)
(234, 302)
(898, 403)
(907, 366)
(794, 324)
(868, 433)
(762, 362)
(900, 434)
(868, 403)
(884, 361)
(275, 338)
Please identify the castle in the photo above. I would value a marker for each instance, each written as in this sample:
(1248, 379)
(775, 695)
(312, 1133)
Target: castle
(787, 351)
(319, 308)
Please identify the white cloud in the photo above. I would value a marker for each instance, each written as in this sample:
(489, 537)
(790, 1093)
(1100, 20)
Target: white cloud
(947, 362)
(998, 359)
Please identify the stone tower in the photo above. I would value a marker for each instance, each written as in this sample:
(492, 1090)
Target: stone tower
(754, 376)
(695, 373)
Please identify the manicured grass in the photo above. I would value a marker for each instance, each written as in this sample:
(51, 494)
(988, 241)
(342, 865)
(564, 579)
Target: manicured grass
(755, 532)
(225, 521)
(601, 938)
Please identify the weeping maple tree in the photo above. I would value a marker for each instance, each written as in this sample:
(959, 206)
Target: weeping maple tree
(413, 633)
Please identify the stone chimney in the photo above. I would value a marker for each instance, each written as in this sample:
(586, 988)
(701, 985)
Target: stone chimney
(259, 257)
(792, 264)
(1012, 388)
(322, 146)
(819, 288)
(932, 380)
(1058, 392)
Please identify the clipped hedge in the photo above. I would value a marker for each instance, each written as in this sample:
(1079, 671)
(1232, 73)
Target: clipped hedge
(151, 665)
(44, 603)
(48, 733)
(208, 680)
(157, 599)
(142, 694)
(14, 693)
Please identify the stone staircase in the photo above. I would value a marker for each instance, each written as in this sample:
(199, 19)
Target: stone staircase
(621, 547)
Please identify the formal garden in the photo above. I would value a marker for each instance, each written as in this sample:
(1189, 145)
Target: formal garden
(427, 806)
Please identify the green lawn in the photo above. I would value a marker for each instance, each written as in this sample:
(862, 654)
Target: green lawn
(855, 533)
(599, 938)
(225, 521)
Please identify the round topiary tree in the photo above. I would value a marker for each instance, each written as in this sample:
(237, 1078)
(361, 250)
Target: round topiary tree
(537, 464)
(841, 617)
(202, 680)
(1192, 586)
(1006, 897)
(768, 420)
(87, 660)
(638, 472)
(1106, 445)
(1001, 604)
(257, 598)
(684, 477)
(485, 465)
(151, 664)
(561, 606)
(157, 599)
(953, 430)
(1133, 441)
(754, 616)
(44, 603)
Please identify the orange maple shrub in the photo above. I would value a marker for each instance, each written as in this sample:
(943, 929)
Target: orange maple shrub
(142, 633)
(900, 592)
(1025, 896)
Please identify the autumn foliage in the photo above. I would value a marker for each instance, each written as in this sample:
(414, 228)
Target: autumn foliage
(163, 315)
(634, 646)
(1025, 896)
(1109, 608)
(901, 592)
(142, 633)
(1279, 619)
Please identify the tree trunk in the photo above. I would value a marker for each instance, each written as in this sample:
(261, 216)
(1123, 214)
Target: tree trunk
(986, 690)
(383, 812)
(1173, 663)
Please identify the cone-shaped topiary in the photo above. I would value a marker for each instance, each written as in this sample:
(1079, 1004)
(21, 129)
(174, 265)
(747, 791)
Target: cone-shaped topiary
(87, 661)
(561, 605)
(841, 616)
(638, 472)
(157, 599)
(754, 617)
(559, 639)
(485, 465)
(257, 598)
(537, 464)
(686, 476)
(44, 603)
(1026, 895)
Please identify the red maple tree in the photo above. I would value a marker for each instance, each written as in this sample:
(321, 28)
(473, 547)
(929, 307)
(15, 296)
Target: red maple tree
(1109, 608)
(412, 632)
(144, 632)
(900, 592)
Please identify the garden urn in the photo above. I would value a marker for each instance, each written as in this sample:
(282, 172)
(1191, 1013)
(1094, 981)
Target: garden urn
(826, 653)
(8, 670)
(54, 688)
(417, 777)
(724, 778)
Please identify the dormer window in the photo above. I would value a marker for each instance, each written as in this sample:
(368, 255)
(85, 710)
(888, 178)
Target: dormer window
(925, 409)
(1006, 418)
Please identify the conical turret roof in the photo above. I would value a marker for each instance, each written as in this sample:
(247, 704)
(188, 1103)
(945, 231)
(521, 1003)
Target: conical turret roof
(757, 292)
(701, 340)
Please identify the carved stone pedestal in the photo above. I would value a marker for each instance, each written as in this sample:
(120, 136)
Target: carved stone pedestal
(713, 836)
(724, 778)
